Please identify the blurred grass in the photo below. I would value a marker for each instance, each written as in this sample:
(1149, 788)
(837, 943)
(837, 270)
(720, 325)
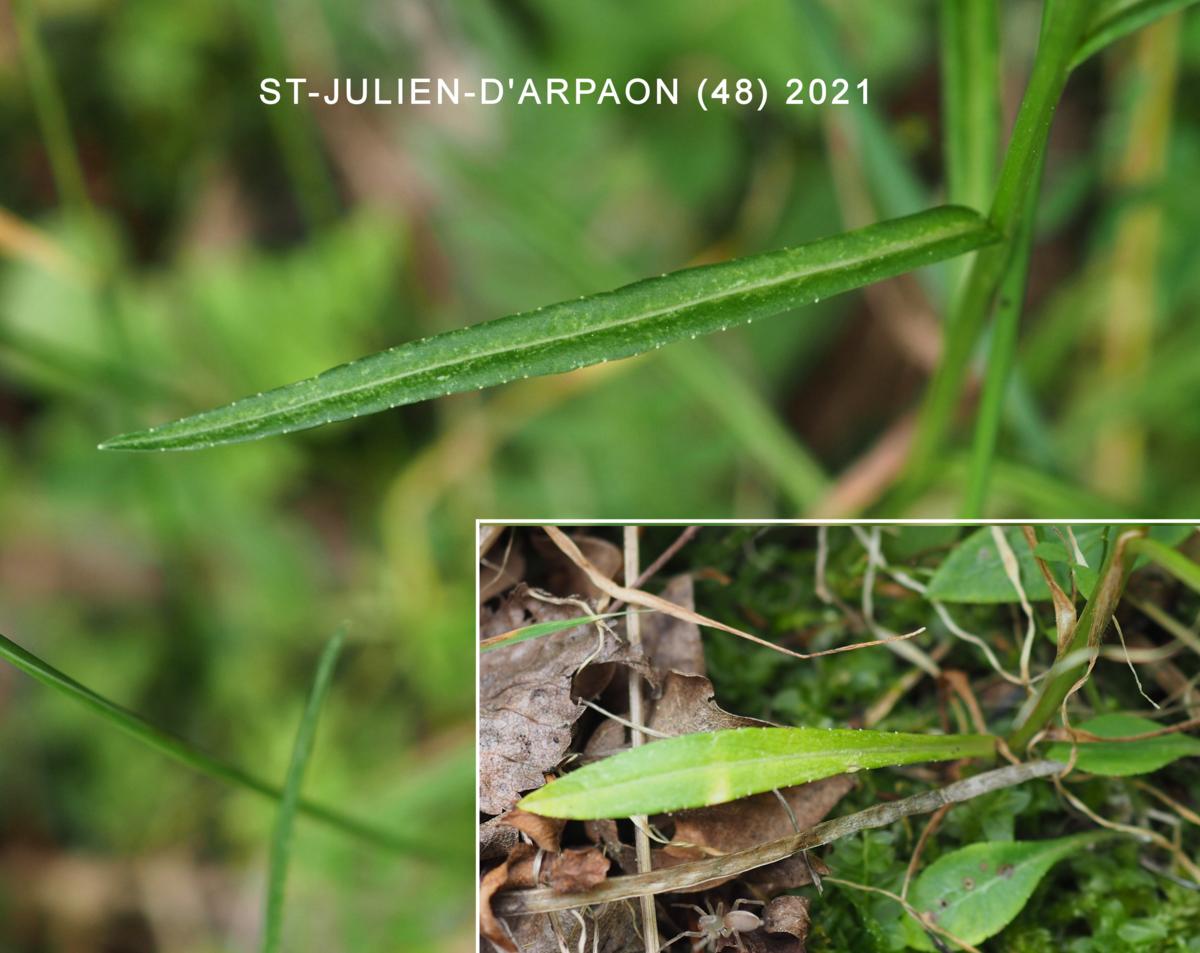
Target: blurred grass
(164, 581)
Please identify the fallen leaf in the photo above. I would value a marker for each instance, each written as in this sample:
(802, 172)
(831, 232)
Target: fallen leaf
(566, 578)
(686, 705)
(671, 644)
(526, 696)
(787, 920)
(496, 839)
(490, 926)
(543, 831)
(726, 828)
(576, 869)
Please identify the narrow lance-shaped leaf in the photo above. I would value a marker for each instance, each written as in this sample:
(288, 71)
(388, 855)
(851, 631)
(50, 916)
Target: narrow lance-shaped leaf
(616, 324)
(539, 629)
(1115, 19)
(975, 892)
(698, 770)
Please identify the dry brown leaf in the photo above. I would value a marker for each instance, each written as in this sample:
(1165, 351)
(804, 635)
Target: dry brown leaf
(489, 533)
(788, 919)
(671, 644)
(726, 828)
(490, 926)
(503, 570)
(527, 709)
(576, 869)
(543, 831)
(496, 839)
(686, 705)
(567, 578)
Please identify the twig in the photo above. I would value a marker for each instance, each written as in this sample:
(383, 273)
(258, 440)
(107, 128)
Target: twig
(1142, 833)
(1181, 809)
(633, 630)
(934, 822)
(685, 876)
(1076, 734)
(663, 558)
(648, 600)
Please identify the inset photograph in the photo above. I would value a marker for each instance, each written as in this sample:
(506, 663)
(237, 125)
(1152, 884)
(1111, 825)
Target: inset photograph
(787, 737)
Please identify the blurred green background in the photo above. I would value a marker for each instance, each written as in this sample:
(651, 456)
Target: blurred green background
(209, 247)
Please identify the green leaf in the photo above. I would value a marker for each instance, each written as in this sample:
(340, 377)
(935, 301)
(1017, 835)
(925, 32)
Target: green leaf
(973, 893)
(973, 572)
(1116, 19)
(616, 324)
(539, 629)
(1120, 759)
(185, 753)
(285, 819)
(706, 768)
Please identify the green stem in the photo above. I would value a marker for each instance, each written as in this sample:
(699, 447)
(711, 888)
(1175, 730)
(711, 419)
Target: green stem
(764, 439)
(1002, 355)
(181, 751)
(1063, 24)
(1071, 661)
(1172, 560)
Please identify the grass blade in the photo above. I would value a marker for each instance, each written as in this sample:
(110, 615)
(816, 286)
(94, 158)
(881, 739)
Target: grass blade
(897, 188)
(713, 767)
(539, 629)
(1116, 19)
(183, 752)
(572, 334)
(285, 820)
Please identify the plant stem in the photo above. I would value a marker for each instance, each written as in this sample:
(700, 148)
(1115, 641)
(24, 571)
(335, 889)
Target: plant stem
(183, 752)
(1062, 26)
(695, 873)
(1002, 356)
(1172, 560)
(1069, 665)
(633, 629)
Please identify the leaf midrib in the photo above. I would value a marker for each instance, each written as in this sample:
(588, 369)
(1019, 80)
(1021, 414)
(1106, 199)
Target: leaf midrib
(963, 229)
(675, 773)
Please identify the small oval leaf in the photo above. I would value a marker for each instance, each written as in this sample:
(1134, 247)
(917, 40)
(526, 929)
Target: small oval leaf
(1123, 758)
(974, 572)
(975, 892)
(706, 768)
(562, 337)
